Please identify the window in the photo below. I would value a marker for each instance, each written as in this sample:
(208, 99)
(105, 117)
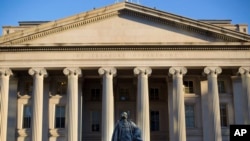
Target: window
(124, 94)
(189, 88)
(95, 125)
(26, 116)
(244, 30)
(61, 87)
(154, 121)
(60, 117)
(154, 94)
(221, 86)
(223, 115)
(95, 94)
(189, 114)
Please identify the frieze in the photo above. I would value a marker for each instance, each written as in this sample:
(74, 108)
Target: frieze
(162, 55)
(124, 55)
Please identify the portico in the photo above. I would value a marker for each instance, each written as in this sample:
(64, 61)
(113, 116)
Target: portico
(175, 101)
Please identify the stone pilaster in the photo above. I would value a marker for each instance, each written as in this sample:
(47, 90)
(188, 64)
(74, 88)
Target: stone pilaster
(178, 112)
(72, 102)
(107, 74)
(214, 103)
(37, 102)
(245, 78)
(5, 74)
(143, 101)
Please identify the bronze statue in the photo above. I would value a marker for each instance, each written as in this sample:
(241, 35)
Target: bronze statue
(126, 130)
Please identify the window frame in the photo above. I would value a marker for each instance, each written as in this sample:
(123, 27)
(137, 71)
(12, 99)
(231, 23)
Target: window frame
(154, 96)
(29, 118)
(63, 118)
(95, 122)
(226, 115)
(191, 90)
(94, 96)
(154, 120)
(221, 91)
(194, 117)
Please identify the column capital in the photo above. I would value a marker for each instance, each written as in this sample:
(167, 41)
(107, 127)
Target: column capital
(178, 71)
(72, 71)
(107, 71)
(244, 71)
(5, 72)
(38, 71)
(212, 71)
(142, 71)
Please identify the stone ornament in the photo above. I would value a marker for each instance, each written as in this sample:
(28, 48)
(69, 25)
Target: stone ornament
(178, 71)
(38, 71)
(244, 71)
(142, 71)
(212, 71)
(107, 71)
(72, 71)
(5, 72)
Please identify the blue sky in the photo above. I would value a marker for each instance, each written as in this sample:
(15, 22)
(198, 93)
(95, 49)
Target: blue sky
(12, 11)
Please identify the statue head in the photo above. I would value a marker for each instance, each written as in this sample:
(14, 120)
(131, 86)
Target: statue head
(124, 115)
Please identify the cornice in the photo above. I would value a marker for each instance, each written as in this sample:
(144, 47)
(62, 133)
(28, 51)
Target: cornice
(128, 47)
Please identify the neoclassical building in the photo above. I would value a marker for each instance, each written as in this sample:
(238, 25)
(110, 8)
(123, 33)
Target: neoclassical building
(179, 79)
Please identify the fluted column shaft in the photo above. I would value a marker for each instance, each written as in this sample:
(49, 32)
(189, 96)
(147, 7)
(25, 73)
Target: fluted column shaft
(107, 74)
(143, 101)
(214, 103)
(37, 102)
(4, 99)
(179, 123)
(72, 102)
(245, 76)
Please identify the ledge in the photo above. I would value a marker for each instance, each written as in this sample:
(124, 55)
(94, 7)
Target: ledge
(126, 46)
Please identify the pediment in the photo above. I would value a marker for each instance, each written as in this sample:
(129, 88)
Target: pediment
(125, 29)
(123, 23)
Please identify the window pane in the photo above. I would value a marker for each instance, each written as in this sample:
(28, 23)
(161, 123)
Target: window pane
(95, 125)
(154, 121)
(189, 114)
(189, 88)
(26, 116)
(223, 115)
(95, 94)
(60, 117)
(221, 87)
(154, 94)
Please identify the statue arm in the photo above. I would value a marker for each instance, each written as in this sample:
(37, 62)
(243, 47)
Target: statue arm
(115, 135)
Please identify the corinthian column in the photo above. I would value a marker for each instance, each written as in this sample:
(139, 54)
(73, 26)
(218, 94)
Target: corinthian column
(178, 127)
(4, 98)
(37, 101)
(214, 103)
(72, 102)
(245, 76)
(107, 102)
(143, 101)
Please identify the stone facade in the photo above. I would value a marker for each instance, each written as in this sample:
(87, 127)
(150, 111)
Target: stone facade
(179, 79)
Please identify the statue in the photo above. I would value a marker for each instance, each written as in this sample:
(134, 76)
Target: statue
(126, 130)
